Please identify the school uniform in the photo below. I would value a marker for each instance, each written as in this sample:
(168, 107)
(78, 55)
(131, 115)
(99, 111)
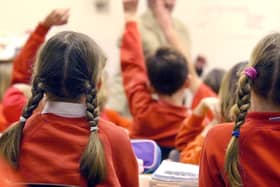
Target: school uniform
(153, 119)
(3, 122)
(8, 176)
(54, 140)
(14, 100)
(258, 152)
(189, 129)
(24, 61)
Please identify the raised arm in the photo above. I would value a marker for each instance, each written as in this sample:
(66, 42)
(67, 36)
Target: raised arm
(163, 18)
(133, 67)
(22, 65)
(16, 96)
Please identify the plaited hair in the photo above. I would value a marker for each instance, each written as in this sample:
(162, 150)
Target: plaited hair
(265, 59)
(167, 70)
(68, 67)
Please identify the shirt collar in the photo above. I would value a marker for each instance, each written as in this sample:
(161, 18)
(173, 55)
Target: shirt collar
(65, 109)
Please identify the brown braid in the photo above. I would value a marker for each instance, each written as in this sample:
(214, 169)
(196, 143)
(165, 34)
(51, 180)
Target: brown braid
(92, 164)
(11, 139)
(242, 107)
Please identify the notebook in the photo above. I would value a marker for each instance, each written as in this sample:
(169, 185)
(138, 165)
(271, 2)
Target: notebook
(176, 173)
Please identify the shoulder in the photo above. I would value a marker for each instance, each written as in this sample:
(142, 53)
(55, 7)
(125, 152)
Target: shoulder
(113, 132)
(219, 132)
(217, 138)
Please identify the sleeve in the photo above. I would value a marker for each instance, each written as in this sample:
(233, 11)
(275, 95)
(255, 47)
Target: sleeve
(209, 173)
(134, 72)
(191, 153)
(202, 92)
(22, 65)
(13, 103)
(117, 119)
(189, 129)
(124, 160)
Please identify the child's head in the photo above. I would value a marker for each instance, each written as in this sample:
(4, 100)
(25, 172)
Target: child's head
(68, 68)
(167, 71)
(261, 78)
(228, 93)
(213, 79)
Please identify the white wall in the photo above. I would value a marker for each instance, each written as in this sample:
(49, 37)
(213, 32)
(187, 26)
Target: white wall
(224, 30)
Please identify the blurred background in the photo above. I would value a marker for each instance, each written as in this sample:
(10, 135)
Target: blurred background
(224, 31)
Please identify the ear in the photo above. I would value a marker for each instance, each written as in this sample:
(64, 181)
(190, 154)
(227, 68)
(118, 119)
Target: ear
(188, 81)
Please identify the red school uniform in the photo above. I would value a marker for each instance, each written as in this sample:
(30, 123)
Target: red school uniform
(153, 119)
(53, 142)
(14, 100)
(258, 152)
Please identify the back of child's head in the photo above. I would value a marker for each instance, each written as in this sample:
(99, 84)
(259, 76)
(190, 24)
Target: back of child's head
(228, 91)
(262, 77)
(213, 79)
(167, 71)
(68, 67)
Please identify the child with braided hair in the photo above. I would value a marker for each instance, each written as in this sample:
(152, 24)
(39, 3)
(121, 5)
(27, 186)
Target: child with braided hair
(246, 153)
(67, 143)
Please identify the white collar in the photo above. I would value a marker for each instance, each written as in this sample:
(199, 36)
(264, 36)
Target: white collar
(63, 109)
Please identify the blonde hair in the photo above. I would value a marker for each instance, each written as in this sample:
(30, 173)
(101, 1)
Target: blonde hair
(5, 77)
(68, 66)
(265, 59)
(227, 92)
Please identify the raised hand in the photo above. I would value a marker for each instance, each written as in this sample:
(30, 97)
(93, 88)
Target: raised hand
(211, 104)
(56, 17)
(130, 9)
(161, 14)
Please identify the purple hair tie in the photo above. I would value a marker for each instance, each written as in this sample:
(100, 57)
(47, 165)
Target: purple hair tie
(251, 73)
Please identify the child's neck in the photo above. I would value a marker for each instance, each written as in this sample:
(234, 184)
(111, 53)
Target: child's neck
(175, 99)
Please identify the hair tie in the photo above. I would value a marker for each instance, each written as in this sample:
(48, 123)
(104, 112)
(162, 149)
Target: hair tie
(22, 119)
(236, 133)
(251, 73)
(93, 129)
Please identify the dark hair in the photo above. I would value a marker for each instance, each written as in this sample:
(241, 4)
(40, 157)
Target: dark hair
(266, 61)
(214, 78)
(68, 67)
(167, 70)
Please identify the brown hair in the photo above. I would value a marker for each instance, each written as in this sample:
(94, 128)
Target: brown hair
(68, 67)
(228, 93)
(266, 60)
(167, 70)
(5, 76)
(214, 78)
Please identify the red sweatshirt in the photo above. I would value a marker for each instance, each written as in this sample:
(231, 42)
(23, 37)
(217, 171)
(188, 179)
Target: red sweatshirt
(258, 152)
(153, 119)
(8, 176)
(23, 63)
(52, 146)
(14, 100)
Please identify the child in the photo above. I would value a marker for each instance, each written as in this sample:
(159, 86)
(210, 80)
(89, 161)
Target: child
(220, 109)
(167, 71)
(67, 143)
(246, 153)
(19, 92)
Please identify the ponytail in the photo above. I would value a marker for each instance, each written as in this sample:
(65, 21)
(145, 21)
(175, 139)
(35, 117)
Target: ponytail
(92, 164)
(11, 139)
(241, 108)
